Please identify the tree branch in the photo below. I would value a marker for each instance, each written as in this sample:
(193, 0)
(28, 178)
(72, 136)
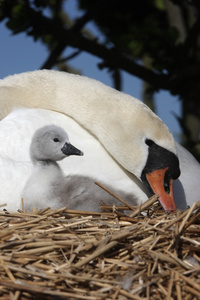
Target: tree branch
(111, 57)
(75, 28)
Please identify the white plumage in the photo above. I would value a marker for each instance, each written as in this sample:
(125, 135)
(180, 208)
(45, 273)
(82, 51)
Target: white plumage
(110, 127)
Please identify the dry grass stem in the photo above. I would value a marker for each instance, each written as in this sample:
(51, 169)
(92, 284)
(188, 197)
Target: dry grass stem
(144, 206)
(115, 196)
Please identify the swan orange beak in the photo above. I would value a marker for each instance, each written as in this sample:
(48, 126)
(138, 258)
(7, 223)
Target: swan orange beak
(157, 181)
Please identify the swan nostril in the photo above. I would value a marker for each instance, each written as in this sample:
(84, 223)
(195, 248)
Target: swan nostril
(167, 179)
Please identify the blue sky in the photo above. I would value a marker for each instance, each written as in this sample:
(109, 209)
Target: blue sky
(19, 53)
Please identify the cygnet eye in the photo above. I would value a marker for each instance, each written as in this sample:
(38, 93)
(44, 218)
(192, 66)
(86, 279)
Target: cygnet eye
(56, 140)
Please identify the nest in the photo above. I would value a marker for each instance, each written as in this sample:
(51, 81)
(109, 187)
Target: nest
(65, 254)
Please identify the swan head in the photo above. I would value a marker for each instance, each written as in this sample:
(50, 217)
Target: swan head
(51, 143)
(161, 168)
(146, 148)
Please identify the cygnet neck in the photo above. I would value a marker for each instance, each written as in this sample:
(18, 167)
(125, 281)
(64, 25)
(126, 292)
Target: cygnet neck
(45, 163)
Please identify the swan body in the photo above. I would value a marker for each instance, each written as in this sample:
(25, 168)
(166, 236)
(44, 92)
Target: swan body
(47, 185)
(187, 187)
(112, 127)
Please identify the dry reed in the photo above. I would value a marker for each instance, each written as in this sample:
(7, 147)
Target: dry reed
(65, 254)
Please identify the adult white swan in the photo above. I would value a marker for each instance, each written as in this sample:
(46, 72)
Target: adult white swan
(137, 142)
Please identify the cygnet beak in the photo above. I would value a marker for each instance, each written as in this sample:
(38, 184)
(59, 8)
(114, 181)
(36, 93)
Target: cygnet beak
(69, 149)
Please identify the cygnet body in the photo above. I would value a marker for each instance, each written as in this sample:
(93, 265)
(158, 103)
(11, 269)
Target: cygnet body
(47, 185)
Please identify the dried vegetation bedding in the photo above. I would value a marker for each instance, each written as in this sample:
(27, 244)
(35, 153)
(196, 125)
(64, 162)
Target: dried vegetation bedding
(63, 254)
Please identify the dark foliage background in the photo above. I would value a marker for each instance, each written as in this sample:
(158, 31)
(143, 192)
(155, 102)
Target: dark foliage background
(155, 40)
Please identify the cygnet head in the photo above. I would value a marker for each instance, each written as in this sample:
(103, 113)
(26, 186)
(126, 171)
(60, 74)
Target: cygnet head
(51, 143)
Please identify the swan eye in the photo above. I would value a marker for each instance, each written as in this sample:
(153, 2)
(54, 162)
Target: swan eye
(56, 140)
(149, 142)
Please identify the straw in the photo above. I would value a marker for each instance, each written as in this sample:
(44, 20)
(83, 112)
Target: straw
(72, 254)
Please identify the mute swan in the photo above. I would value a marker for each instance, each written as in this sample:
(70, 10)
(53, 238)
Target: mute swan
(47, 185)
(125, 134)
